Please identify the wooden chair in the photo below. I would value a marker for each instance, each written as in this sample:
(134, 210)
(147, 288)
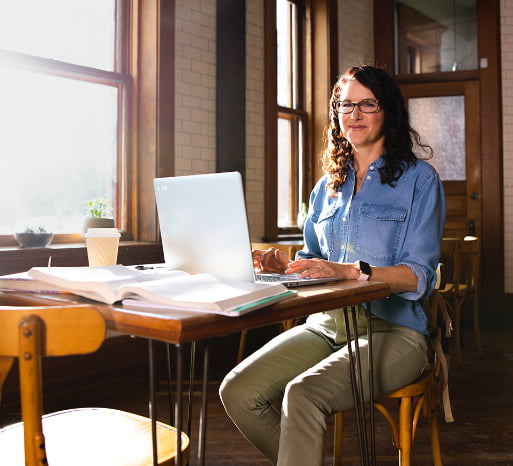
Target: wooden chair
(88, 436)
(461, 257)
(419, 397)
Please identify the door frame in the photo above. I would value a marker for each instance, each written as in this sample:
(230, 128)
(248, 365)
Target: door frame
(470, 91)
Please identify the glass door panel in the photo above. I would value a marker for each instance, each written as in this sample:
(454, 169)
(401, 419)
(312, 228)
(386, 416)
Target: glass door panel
(445, 133)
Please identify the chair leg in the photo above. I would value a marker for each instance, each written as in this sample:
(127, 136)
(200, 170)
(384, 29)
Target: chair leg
(477, 333)
(434, 434)
(405, 431)
(242, 345)
(457, 329)
(338, 438)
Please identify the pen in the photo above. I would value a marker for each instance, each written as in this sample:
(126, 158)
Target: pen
(49, 263)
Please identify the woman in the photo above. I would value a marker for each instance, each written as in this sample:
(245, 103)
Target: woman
(378, 213)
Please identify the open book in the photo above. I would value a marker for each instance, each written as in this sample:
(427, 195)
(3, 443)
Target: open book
(162, 288)
(22, 281)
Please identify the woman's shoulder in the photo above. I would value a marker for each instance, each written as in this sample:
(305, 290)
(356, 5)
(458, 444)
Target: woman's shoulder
(320, 186)
(422, 174)
(422, 168)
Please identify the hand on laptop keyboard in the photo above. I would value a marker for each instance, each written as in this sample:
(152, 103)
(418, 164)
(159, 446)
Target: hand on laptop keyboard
(271, 260)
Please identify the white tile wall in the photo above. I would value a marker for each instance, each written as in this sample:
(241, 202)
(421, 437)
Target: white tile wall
(255, 137)
(356, 33)
(506, 7)
(195, 87)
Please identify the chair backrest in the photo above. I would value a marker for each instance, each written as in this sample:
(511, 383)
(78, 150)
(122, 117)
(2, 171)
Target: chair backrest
(30, 333)
(461, 258)
(441, 327)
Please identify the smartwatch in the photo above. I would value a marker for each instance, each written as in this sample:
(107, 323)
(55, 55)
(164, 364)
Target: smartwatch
(365, 270)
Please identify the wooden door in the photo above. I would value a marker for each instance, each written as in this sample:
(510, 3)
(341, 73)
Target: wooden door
(454, 128)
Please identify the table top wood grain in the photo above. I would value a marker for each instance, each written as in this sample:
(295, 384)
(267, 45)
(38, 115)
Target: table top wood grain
(185, 326)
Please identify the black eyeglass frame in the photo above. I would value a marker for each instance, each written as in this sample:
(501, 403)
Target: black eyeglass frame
(339, 106)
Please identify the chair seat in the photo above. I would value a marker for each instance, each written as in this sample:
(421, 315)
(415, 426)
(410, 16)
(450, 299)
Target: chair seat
(416, 388)
(95, 436)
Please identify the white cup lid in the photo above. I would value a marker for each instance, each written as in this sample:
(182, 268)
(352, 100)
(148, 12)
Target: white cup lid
(103, 232)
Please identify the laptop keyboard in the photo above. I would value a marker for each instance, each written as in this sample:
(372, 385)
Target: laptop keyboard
(276, 277)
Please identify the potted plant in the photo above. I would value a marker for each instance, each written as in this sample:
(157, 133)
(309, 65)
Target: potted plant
(301, 215)
(98, 214)
(34, 237)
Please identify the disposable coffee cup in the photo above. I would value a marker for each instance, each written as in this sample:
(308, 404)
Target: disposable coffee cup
(102, 246)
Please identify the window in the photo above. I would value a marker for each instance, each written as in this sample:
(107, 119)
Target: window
(438, 35)
(300, 69)
(286, 128)
(291, 113)
(64, 99)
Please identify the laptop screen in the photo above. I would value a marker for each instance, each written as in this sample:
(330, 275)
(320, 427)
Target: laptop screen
(203, 225)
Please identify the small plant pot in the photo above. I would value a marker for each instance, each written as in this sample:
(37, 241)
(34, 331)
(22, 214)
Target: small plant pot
(33, 240)
(97, 222)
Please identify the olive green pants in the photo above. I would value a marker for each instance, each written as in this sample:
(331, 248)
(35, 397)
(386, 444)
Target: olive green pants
(310, 375)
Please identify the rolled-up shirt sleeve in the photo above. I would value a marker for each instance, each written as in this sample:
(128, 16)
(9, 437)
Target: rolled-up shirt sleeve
(421, 248)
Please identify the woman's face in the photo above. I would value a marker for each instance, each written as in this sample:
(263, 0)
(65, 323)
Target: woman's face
(362, 130)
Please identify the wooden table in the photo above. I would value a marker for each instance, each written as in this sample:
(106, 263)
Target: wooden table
(182, 327)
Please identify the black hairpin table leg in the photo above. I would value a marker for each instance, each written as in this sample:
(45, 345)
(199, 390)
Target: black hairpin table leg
(203, 414)
(152, 401)
(357, 385)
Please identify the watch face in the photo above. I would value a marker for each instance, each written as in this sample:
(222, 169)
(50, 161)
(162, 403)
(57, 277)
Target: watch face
(365, 268)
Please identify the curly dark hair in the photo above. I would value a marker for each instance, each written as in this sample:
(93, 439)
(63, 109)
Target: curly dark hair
(400, 137)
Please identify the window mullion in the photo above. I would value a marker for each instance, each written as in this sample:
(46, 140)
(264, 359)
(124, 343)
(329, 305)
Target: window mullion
(20, 61)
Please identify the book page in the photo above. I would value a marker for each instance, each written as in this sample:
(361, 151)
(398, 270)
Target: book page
(98, 283)
(201, 291)
(177, 312)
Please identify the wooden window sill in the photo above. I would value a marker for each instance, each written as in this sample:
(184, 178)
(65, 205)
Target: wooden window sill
(14, 259)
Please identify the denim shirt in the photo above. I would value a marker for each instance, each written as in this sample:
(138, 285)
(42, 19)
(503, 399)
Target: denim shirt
(384, 226)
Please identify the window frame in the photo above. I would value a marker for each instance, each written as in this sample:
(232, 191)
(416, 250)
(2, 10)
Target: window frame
(296, 115)
(297, 111)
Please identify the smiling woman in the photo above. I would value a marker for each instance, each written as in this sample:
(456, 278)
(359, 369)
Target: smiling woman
(64, 104)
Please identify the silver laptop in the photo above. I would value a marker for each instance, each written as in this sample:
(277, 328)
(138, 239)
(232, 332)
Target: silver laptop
(204, 228)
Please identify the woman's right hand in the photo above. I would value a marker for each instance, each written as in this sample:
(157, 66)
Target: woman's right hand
(271, 260)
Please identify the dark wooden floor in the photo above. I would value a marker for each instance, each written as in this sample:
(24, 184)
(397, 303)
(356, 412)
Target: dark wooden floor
(481, 393)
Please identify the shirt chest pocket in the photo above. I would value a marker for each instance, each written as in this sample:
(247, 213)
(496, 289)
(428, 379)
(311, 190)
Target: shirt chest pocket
(325, 228)
(379, 232)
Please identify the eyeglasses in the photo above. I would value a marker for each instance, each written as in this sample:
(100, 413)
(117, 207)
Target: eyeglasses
(365, 106)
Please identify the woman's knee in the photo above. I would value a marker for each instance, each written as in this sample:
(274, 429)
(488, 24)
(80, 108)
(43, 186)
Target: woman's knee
(300, 393)
(238, 393)
(296, 391)
(230, 391)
